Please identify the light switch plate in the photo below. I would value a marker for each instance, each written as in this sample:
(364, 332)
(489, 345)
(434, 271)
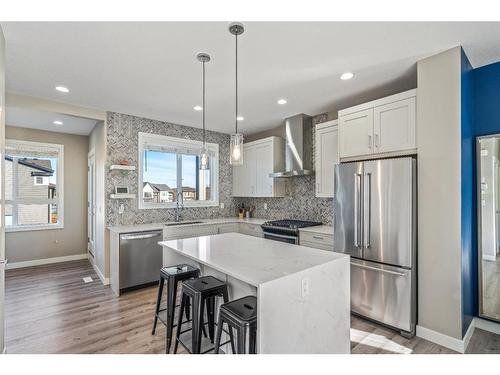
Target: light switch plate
(265, 206)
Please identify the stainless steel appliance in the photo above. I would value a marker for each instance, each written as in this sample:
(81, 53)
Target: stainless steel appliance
(285, 230)
(375, 223)
(298, 148)
(140, 259)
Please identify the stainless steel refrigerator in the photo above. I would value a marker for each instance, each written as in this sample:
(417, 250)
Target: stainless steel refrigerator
(375, 223)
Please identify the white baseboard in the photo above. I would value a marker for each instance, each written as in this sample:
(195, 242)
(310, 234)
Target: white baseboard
(104, 280)
(487, 325)
(458, 345)
(39, 262)
(491, 258)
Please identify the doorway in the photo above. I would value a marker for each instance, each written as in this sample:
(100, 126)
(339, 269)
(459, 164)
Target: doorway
(91, 206)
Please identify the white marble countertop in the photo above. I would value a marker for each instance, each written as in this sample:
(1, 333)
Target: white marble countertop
(250, 259)
(155, 226)
(319, 229)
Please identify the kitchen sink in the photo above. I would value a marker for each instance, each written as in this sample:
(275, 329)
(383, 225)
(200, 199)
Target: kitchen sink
(183, 223)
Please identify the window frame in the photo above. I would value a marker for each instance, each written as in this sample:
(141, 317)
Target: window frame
(168, 141)
(59, 184)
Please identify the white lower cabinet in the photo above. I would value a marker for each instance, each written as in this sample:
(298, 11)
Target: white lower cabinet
(179, 232)
(316, 240)
(227, 228)
(250, 229)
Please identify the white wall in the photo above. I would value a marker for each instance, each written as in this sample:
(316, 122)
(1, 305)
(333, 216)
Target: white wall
(97, 141)
(439, 193)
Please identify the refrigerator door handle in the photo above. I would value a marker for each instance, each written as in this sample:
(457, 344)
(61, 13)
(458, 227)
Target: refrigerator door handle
(379, 269)
(357, 209)
(369, 212)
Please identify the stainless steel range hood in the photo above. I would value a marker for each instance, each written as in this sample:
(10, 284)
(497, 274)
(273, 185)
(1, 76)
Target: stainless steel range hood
(298, 149)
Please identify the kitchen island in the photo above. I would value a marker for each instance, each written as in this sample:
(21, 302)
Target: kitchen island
(303, 293)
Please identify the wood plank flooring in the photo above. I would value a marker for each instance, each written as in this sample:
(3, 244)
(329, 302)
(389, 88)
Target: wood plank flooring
(49, 309)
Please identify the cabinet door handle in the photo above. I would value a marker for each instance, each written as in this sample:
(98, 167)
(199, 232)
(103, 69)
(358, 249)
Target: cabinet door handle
(377, 141)
(317, 187)
(271, 189)
(369, 141)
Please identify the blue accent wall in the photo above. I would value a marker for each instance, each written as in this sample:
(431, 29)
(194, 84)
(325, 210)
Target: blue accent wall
(480, 115)
(468, 205)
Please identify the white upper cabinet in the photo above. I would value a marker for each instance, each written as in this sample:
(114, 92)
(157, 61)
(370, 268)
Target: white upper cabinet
(385, 125)
(356, 132)
(260, 158)
(394, 126)
(326, 156)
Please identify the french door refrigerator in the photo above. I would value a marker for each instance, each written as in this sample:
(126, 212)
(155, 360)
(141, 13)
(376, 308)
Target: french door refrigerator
(375, 223)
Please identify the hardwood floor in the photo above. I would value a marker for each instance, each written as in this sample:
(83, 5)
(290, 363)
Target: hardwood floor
(49, 309)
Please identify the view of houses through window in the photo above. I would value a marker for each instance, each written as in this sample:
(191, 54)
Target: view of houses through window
(31, 185)
(169, 166)
(160, 178)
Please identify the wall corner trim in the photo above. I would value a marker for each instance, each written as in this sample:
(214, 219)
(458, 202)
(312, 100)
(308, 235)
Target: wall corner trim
(39, 262)
(458, 345)
(104, 280)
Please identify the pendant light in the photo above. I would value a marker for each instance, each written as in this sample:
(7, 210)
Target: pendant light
(204, 158)
(236, 156)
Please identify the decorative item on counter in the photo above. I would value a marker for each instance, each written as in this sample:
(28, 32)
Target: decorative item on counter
(123, 162)
(241, 211)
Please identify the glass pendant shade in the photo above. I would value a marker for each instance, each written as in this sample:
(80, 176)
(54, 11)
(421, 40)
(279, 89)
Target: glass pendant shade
(236, 149)
(204, 159)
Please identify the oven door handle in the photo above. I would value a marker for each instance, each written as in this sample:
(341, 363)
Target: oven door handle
(281, 236)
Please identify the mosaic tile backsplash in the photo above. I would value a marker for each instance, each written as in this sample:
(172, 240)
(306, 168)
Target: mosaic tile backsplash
(122, 143)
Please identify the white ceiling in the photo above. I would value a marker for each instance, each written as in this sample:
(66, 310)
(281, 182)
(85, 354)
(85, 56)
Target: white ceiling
(150, 69)
(42, 120)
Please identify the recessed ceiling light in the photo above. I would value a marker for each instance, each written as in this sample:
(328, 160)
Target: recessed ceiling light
(57, 122)
(282, 101)
(62, 89)
(197, 107)
(346, 76)
(240, 118)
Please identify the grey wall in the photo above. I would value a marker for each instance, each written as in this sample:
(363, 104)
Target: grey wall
(300, 201)
(439, 193)
(122, 143)
(97, 142)
(72, 239)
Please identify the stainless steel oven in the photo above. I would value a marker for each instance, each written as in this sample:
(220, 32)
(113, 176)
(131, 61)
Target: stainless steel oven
(293, 239)
(285, 230)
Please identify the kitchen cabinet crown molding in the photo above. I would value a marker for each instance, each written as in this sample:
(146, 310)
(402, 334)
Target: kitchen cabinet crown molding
(378, 102)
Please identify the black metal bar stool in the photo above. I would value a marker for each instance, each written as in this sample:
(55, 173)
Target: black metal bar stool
(172, 275)
(240, 314)
(201, 291)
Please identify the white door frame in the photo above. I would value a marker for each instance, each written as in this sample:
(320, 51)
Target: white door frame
(91, 206)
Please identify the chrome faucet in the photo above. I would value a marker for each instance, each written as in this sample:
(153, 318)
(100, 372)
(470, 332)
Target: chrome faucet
(179, 206)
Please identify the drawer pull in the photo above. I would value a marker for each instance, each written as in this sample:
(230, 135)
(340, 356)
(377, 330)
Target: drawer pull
(318, 238)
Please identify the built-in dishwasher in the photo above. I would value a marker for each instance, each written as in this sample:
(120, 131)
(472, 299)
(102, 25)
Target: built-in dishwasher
(140, 259)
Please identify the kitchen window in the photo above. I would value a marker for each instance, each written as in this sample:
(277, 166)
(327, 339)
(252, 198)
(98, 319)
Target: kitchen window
(33, 185)
(169, 166)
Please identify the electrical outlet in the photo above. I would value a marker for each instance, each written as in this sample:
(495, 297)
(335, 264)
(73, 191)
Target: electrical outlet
(121, 209)
(305, 287)
(222, 206)
(265, 206)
